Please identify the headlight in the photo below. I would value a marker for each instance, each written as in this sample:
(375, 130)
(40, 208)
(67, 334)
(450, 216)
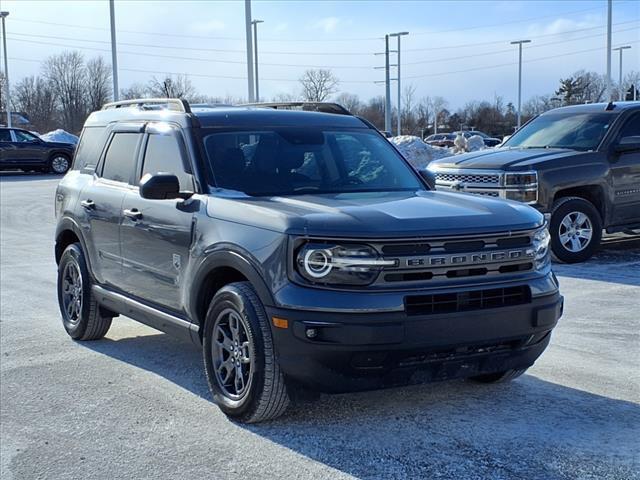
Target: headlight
(521, 179)
(541, 241)
(525, 196)
(333, 264)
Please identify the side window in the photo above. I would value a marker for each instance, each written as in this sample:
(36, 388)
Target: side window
(89, 148)
(24, 136)
(120, 160)
(632, 127)
(163, 154)
(5, 135)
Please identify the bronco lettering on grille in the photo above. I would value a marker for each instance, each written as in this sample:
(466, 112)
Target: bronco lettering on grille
(466, 258)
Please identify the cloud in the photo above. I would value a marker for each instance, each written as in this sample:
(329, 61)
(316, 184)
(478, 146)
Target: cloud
(562, 25)
(327, 24)
(208, 26)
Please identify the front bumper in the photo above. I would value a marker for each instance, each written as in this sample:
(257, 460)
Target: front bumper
(361, 351)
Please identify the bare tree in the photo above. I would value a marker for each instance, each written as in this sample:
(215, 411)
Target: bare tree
(351, 102)
(318, 85)
(285, 97)
(407, 114)
(98, 88)
(2, 91)
(67, 75)
(171, 87)
(34, 96)
(136, 90)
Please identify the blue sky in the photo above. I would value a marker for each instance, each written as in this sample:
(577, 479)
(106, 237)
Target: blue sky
(456, 49)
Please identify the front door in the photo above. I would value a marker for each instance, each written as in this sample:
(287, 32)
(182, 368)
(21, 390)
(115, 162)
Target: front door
(29, 149)
(156, 235)
(625, 178)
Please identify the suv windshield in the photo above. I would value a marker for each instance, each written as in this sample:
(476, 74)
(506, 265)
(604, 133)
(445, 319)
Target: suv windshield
(563, 130)
(296, 161)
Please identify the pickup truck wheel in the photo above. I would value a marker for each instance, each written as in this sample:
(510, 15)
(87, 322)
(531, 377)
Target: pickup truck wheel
(576, 230)
(239, 357)
(59, 164)
(499, 377)
(82, 317)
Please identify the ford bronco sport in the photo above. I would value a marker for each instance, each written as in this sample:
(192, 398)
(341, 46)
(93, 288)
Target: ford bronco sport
(580, 164)
(299, 249)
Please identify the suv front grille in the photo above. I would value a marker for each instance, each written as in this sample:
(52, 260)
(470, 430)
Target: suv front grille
(441, 303)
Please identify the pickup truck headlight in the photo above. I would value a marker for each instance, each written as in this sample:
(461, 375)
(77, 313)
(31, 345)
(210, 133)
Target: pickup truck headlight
(541, 241)
(332, 264)
(521, 186)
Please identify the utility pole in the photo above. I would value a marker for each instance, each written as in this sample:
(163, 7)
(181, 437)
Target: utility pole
(255, 54)
(399, 34)
(114, 53)
(6, 67)
(247, 19)
(609, 18)
(519, 43)
(387, 83)
(620, 49)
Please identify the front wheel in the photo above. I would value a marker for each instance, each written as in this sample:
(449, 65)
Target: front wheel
(576, 230)
(60, 164)
(239, 357)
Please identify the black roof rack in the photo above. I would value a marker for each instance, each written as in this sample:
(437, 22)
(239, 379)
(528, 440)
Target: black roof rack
(177, 104)
(324, 107)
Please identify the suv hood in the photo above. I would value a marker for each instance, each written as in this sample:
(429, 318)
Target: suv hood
(504, 158)
(378, 215)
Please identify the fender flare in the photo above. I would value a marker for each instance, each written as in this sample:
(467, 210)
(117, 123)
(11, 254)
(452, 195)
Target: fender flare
(69, 224)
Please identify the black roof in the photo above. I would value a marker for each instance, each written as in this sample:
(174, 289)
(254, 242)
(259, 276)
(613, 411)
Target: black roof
(616, 107)
(254, 116)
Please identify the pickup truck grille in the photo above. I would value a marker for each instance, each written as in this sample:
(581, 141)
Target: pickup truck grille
(434, 261)
(484, 179)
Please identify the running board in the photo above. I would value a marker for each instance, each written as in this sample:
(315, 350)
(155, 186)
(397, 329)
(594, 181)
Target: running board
(154, 318)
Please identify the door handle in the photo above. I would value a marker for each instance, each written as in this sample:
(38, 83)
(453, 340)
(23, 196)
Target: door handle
(133, 214)
(88, 204)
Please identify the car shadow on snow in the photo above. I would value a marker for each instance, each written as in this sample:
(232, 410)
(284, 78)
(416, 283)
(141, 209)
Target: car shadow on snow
(529, 428)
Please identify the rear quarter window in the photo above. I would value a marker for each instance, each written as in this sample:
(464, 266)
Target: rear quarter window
(89, 148)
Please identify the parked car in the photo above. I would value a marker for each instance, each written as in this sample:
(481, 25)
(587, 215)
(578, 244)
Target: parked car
(440, 140)
(580, 164)
(488, 140)
(300, 249)
(23, 150)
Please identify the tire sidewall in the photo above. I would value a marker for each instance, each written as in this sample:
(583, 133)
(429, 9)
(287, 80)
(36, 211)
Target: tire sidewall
(56, 155)
(562, 209)
(73, 253)
(226, 298)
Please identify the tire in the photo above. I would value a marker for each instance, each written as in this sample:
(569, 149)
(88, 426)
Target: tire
(59, 164)
(83, 319)
(499, 377)
(257, 391)
(571, 219)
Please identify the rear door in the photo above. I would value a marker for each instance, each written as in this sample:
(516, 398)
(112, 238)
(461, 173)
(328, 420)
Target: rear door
(7, 148)
(625, 177)
(157, 234)
(102, 199)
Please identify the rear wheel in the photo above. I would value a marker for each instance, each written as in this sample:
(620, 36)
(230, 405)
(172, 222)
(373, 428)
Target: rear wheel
(82, 317)
(576, 230)
(239, 357)
(499, 377)
(60, 164)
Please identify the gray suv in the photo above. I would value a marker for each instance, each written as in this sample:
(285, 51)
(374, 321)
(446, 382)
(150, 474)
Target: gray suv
(299, 248)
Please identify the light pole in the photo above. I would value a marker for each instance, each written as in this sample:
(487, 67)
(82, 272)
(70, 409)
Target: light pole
(255, 54)
(387, 81)
(6, 68)
(620, 49)
(247, 20)
(519, 43)
(114, 53)
(399, 34)
(609, 18)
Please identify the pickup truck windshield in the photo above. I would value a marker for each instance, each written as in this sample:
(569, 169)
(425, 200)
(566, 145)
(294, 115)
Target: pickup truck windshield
(563, 130)
(297, 161)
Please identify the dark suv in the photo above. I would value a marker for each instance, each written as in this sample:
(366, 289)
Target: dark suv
(580, 164)
(20, 149)
(300, 249)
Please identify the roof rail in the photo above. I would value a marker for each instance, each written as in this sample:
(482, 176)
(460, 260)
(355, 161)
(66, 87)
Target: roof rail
(177, 104)
(324, 107)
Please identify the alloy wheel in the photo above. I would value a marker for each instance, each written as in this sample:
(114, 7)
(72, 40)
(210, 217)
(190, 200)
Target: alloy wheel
(72, 292)
(575, 231)
(59, 164)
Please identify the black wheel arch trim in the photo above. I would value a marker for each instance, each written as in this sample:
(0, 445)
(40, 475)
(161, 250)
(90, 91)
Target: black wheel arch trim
(68, 224)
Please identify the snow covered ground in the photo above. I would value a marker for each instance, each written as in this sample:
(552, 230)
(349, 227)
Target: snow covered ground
(59, 135)
(419, 154)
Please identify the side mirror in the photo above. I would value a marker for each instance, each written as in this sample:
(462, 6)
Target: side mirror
(628, 144)
(160, 186)
(429, 177)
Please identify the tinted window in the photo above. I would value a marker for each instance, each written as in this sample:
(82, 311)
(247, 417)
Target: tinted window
(632, 127)
(5, 135)
(24, 136)
(120, 159)
(296, 161)
(89, 148)
(164, 154)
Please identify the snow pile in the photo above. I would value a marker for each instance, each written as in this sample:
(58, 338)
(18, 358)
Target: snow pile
(59, 135)
(418, 153)
(475, 143)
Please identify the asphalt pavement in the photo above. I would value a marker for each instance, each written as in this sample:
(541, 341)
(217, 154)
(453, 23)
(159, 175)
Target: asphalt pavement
(135, 405)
